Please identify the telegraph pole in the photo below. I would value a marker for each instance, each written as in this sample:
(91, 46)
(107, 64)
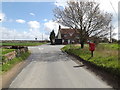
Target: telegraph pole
(110, 34)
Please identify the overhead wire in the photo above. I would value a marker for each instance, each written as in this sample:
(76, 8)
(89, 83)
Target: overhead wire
(113, 7)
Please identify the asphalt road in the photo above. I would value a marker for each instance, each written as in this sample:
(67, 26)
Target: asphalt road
(50, 68)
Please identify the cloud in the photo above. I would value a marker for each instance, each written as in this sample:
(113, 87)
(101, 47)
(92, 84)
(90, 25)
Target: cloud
(32, 14)
(20, 21)
(51, 25)
(106, 5)
(34, 24)
(45, 20)
(8, 34)
(61, 3)
(110, 6)
(2, 17)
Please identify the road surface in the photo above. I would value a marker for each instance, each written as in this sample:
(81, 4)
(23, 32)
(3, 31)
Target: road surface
(50, 68)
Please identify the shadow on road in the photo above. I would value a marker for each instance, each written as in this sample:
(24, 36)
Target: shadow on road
(105, 76)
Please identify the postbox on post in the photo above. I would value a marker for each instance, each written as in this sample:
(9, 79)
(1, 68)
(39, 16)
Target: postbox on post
(91, 47)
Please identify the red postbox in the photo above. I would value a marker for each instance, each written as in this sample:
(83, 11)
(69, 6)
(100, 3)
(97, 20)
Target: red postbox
(91, 47)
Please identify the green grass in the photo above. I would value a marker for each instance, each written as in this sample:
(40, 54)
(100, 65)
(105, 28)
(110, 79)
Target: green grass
(0, 69)
(22, 43)
(7, 66)
(105, 56)
(110, 46)
(5, 51)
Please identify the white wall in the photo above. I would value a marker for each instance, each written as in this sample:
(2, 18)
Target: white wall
(59, 35)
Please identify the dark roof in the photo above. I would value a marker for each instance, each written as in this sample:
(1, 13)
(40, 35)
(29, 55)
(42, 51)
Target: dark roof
(68, 31)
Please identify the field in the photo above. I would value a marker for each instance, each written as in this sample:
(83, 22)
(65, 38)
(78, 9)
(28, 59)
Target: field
(22, 43)
(105, 56)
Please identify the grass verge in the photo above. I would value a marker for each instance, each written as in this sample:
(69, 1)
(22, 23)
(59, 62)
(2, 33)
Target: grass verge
(10, 64)
(5, 51)
(105, 56)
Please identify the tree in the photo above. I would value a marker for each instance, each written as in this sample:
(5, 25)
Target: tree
(52, 37)
(36, 39)
(86, 17)
(105, 40)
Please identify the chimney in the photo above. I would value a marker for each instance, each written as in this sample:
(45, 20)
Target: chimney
(59, 27)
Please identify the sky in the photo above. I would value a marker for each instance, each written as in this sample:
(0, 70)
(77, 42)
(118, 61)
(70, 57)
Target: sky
(27, 20)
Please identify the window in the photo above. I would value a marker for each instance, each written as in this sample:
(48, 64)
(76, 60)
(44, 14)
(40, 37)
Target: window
(65, 35)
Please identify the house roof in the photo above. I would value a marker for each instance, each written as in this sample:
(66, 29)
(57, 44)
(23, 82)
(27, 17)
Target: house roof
(71, 33)
(68, 31)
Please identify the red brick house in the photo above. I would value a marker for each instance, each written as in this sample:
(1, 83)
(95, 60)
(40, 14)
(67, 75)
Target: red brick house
(67, 36)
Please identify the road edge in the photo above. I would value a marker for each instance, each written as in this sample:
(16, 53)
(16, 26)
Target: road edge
(109, 79)
(10, 75)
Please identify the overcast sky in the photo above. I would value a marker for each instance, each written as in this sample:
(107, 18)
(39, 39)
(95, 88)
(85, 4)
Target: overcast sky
(28, 19)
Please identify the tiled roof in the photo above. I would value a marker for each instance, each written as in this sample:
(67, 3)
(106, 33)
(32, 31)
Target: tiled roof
(68, 31)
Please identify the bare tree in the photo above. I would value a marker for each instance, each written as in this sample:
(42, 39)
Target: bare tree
(86, 17)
